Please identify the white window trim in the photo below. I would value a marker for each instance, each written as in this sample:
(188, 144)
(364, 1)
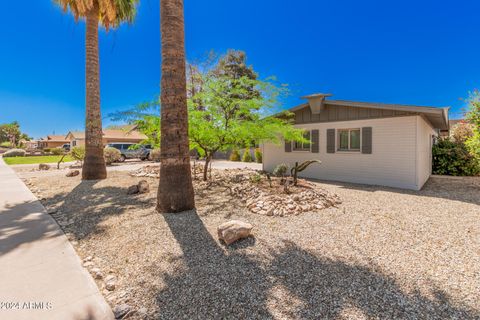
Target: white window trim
(349, 137)
(303, 150)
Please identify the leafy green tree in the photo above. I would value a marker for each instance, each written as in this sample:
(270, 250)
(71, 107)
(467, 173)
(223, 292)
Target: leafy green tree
(473, 117)
(10, 132)
(231, 116)
(228, 108)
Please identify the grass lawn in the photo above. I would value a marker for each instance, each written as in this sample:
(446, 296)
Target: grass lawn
(36, 159)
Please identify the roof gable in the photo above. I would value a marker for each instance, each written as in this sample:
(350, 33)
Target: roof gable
(342, 110)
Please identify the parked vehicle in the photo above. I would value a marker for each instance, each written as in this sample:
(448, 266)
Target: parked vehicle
(66, 147)
(131, 150)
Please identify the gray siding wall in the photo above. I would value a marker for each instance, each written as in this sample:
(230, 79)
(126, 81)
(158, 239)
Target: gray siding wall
(391, 163)
(343, 113)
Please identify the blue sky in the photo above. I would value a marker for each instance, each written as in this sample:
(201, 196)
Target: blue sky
(411, 52)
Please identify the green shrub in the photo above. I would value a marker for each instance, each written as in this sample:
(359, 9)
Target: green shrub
(258, 155)
(454, 158)
(280, 170)
(14, 153)
(111, 155)
(235, 155)
(154, 155)
(46, 150)
(256, 178)
(78, 153)
(6, 144)
(57, 151)
(247, 157)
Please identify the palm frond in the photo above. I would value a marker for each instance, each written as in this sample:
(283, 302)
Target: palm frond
(112, 13)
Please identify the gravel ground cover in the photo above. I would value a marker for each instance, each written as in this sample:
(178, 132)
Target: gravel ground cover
(381, 254)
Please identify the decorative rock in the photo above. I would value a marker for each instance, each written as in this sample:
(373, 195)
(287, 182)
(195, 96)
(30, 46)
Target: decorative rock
(234, 230)
(143, 187)
(97, 273)
(142, 313)
(88, 264)
(73, 173)
(133, 189)
(43, 166)
(110, 285)
(121, 310)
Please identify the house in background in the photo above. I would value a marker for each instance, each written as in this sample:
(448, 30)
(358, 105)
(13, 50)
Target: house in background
(127, 134)
(359, 142)
(452, 123)
(52, 141)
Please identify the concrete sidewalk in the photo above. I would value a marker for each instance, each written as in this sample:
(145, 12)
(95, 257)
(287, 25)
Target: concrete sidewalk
(41, 276)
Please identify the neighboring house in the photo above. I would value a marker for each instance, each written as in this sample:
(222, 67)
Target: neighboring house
(446, 133)
(52, 141)
(358, 142)
(126, 134)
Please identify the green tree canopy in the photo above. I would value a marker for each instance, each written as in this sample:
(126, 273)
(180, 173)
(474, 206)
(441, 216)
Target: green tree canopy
(229, 107)
(10, 132)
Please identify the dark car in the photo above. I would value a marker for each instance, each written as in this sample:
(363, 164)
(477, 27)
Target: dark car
(131, 150)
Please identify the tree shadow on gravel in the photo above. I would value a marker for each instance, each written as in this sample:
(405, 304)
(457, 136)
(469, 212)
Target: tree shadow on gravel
(214, 284)
(327, 287)
(81, 210)
(218, 284)
(463, 190)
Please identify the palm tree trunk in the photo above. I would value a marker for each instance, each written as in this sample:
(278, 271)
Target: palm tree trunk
(175, 192)
(94, 164)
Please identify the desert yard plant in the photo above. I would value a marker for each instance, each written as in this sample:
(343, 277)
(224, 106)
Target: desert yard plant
(280, 170)
(111, 155)
(15, 153)
(256, 178)
(235, 155)
(155, 155)
(247, 157)
(78, 153)
(258, 155)
(300, 167)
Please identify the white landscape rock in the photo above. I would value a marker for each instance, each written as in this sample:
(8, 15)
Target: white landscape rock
(234, 230)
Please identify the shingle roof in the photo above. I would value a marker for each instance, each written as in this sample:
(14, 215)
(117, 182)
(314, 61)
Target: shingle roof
(56, 138)
(114, 134)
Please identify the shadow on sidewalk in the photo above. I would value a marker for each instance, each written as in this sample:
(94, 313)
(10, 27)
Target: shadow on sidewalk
(25, 223)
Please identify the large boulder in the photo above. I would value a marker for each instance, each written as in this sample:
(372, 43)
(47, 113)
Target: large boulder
(43, 166)
(143, 187)
(133, 189)
(73, 173)
(234, 230)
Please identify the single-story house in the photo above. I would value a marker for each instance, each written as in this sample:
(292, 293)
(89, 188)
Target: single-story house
(52, 141)
(125, 134)
(359, 142)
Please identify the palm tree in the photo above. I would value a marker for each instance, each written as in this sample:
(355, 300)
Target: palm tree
(175, 192)
(109, 13)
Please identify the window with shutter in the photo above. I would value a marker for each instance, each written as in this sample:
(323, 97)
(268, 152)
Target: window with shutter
(330, 140)
(367, 140)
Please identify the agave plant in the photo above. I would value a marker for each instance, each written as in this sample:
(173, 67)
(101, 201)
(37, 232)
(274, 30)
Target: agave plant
(299, 168)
